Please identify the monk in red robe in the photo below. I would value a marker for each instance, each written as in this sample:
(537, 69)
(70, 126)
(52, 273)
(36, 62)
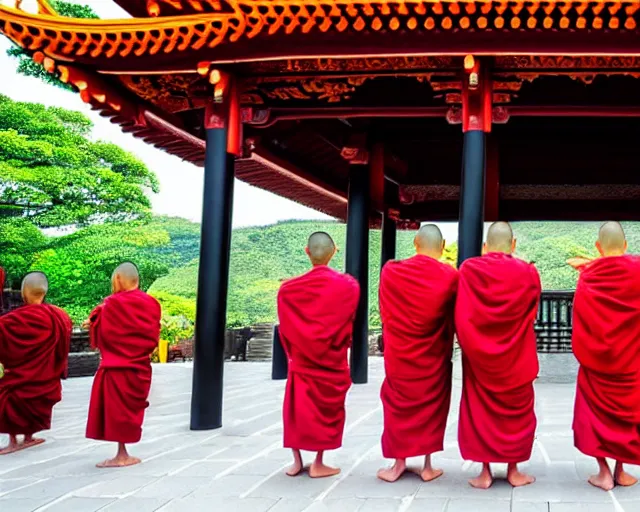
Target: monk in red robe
(316, 312)
(125, 328)
(417, 298)
(34, 349)
(496, 308)
(3, 276)
(606, 342)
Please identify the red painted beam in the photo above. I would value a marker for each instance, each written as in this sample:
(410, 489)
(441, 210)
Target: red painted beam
(290, 114)
(573, 111)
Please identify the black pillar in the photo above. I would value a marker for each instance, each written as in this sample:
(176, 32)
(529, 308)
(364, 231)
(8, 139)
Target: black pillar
(279, 360)
(388, 246)
(357, 264)
(471, 220)
(213, 280)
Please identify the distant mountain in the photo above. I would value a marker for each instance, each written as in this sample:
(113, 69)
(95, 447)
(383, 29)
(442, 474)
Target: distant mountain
(263, 256)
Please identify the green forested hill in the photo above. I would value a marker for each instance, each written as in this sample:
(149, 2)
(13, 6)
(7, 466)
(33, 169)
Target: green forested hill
(261, 257)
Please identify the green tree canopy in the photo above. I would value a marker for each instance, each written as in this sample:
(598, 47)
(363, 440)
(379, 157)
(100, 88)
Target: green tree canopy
(53, 174)
(79, 266)
(27, 67)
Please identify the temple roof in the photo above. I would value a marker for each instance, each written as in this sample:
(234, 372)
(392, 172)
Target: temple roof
(359, 65)
(249, 30)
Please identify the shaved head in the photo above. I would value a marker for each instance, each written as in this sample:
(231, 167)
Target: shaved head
(611, 239)
(500, 238)
(34, 287)
(320, 248)
(125, 277)
(429, 241)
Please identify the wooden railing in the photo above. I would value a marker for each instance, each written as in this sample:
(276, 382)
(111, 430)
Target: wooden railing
(554, 322)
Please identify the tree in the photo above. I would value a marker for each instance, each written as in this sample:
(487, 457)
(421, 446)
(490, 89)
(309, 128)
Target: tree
(54, 175)
(19, 242)
(79, 266)
(27, 67)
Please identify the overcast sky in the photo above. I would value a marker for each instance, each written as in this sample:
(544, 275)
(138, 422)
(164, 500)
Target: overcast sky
(181, 182)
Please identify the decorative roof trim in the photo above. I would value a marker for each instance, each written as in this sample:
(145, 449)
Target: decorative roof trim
(236, 19)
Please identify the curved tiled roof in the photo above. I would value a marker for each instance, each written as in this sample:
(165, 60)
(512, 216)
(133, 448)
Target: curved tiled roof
(234, 21)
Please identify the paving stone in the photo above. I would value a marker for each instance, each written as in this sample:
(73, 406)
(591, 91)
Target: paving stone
(368, 486)
(429, 505)
(334, 505)
(22, 504)
(455, 484)
(7, 486)
(116, 487)
(180, 466)
(380, 505)
(132, 504)
(52, 488)
(204, 468)
(225, 504)
(560, 492)
(477, 505)
(582, 507)
(291, 505)
(283, 486)
(74, 504)
(172, 487)
(524, 506)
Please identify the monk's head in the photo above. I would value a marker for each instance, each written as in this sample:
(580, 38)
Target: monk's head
(320, 248)
(611, 240)
(34, 288)
(125, 278)
(429, 241)
(500, 238)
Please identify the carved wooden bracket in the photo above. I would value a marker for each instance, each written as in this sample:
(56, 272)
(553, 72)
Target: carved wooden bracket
(499, 115)
(476, 96)
(355, 151)
(224, 112)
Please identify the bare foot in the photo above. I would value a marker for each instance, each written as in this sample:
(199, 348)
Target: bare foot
(393, 473)
(119, 462)
(624, 479)
(518, 479)
(604, 482)
(12, 448)
(322, 471)
(295, 469)
(298, 466)
(429, 474)
(484, 480)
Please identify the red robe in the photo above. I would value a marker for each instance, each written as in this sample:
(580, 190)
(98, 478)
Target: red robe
(316, 312)
(417, 298)
(34, 349)
(606, 342)
(496, 308)
(3, 276)
(125, 328)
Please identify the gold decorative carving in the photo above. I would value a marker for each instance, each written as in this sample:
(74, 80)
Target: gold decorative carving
(368, 64)
(556, 62)
(173, 93)
(332, 91)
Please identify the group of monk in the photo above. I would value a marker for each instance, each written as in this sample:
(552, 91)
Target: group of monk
(490, 305)
(34, 348)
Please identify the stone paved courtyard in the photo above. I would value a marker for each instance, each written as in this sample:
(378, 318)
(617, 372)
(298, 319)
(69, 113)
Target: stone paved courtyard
(240, 467)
